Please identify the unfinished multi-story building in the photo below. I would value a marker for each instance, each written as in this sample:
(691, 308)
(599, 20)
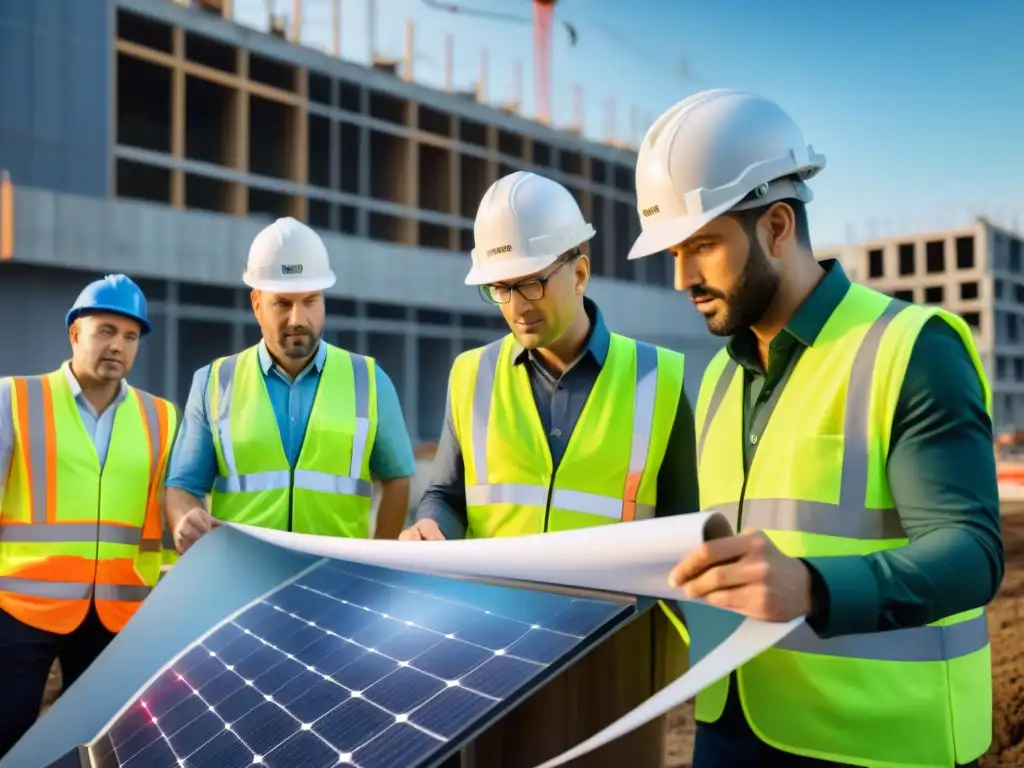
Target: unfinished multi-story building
(977, 272)
(156, 139)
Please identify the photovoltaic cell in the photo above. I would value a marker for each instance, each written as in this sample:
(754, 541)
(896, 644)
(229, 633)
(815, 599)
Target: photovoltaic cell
(354, 665)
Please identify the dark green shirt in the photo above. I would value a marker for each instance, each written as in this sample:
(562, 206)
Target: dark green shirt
(941, 471)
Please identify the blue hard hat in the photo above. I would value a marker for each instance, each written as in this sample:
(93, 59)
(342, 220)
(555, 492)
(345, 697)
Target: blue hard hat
(114, 293)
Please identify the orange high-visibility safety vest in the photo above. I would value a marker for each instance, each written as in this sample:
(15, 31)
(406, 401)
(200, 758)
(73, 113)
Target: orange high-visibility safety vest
(71, 532)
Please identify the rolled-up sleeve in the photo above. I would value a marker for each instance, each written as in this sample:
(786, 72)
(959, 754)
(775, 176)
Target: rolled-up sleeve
(444, 500)
(6, 433)
(942, 475)
(392, 454)
(193, 464)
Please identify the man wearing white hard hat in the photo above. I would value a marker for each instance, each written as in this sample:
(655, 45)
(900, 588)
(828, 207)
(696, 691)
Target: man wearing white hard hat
(560, 424)
(290, 433)
(848, 436)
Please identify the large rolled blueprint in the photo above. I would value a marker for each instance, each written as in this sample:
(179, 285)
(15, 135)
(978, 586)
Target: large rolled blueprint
(272, 648)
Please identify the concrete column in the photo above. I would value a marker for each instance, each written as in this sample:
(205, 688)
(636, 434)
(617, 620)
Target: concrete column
(178, 117)
(362, 214)
(411, 177)
(300, 143)
(171, 319)
(410, 399)
(239, 196)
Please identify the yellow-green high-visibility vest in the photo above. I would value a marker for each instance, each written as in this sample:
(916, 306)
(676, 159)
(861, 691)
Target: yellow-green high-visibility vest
(817, 487)
(328, 491)
(609, 472)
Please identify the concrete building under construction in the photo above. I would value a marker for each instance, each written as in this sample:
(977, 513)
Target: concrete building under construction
(156, 139)
(976, 271)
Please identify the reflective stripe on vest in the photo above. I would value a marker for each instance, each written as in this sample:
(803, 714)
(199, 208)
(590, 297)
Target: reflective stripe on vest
(328, 489)
(117, 559)
(74, 590)
(614, 507)
(512, 486)
(350, 484)
(918, 696)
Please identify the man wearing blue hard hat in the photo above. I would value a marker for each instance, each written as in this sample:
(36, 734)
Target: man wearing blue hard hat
(290, 433)
(82, 458)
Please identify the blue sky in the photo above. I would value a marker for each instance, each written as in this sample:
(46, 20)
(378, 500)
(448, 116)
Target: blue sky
(918, 106)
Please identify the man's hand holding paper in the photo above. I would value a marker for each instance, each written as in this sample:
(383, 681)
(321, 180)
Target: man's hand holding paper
(748, 574)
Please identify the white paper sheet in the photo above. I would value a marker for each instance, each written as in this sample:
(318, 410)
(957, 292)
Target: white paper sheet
(630, 558)
(750, 638)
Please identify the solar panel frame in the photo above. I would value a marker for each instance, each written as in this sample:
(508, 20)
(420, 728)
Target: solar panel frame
(73, 758)
(617, 609)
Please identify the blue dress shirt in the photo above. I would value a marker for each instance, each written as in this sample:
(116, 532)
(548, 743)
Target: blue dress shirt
(193, 464)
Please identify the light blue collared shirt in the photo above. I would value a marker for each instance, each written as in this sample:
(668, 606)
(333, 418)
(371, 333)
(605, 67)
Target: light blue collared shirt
(193, 465)
(99, 426)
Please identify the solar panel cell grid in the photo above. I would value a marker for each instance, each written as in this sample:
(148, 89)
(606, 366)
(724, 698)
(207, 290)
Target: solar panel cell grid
(352, 665)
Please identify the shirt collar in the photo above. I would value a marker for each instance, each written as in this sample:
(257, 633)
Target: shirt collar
(76, 388)
(810, 317)
(597, 342)
(316, 364)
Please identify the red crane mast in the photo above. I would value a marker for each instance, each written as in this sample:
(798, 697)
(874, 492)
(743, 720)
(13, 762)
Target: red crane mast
(543, 13)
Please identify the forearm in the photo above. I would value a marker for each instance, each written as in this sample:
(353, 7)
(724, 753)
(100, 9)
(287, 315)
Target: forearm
(447, 508)
(392, 461)
(192, 468)
(177, 503)
(393, 508)
(938, 575)
(444, 501)
(943, 573)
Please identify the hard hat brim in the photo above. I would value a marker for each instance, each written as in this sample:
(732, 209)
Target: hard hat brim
(674, 231)
(95, 309)
(510, 269)
(291, 286)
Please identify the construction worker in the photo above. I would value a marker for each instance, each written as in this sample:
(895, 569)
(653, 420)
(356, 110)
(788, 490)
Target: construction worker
(82, 458)
(507, 462)
(560, 424)
(290, 433)
(848, 435)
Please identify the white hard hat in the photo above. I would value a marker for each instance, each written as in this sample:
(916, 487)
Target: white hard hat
(716, 151)
(288, 257)
(524, 223)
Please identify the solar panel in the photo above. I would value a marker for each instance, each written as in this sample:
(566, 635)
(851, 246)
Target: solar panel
(354, 665)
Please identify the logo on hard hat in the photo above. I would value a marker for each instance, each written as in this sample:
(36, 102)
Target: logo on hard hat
(291, 269)
(499, 249)
(650, 211)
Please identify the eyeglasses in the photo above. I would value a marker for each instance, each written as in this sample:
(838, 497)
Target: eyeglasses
(531, 290)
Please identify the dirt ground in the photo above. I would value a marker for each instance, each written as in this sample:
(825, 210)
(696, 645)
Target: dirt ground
(1006, 629)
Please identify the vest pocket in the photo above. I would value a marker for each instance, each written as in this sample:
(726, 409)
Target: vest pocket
(816, 468)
